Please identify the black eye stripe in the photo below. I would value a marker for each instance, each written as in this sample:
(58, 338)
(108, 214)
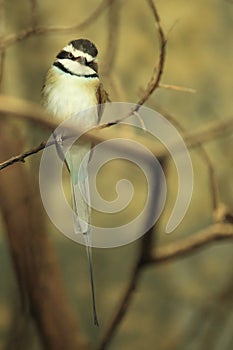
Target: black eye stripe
(65, 54)
(68, 55)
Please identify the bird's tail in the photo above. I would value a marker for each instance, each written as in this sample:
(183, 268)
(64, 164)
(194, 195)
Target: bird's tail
(89, 258)
(78, 167)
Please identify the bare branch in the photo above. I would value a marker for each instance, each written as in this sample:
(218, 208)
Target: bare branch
(212, 178)
(21, 157)
(34, 13)
(40, 30)
(155, 79)
(177, 88)
(2, 30)
(33, 17)
(2, 62)
(208, 133)
(33, 113)
(192, 244)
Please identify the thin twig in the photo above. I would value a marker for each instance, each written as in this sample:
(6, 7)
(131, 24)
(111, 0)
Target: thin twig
(2, 63)
(208, 133)
(34, 13)
(2, 51)
(141, 121)
(40, 30)
(177, 88)
(21, 157)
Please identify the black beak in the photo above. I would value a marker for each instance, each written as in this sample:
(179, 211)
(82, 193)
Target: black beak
(82, 60)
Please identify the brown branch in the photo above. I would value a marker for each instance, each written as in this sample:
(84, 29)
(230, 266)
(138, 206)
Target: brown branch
(208, 133)
(21, 157)
(2, 62)
(2, 51)
(33, 113)
(155, 79)
(40, 30)
(185, 247)
(177, 88)
(192, 140)
(34, 13)
(212, 178)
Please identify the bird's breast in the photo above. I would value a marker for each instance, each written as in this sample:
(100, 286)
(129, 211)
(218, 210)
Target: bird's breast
(66, 96)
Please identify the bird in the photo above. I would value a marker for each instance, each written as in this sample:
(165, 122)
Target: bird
(71, 86)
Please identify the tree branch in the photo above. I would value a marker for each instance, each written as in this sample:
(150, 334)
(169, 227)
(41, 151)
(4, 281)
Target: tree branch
(2, 51)
(34, 13)
(21, 157)
(153, 84)
(40, 30)
(187, 246)
(33, 113)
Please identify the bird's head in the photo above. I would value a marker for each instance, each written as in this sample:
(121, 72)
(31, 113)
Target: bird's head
(78, 58)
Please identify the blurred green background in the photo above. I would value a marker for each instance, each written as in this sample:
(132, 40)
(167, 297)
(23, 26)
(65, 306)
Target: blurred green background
(177, 305)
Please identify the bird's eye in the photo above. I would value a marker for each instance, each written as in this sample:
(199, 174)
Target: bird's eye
(70, 55)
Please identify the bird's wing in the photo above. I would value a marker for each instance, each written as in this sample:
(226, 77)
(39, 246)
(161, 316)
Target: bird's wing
(102, 97)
